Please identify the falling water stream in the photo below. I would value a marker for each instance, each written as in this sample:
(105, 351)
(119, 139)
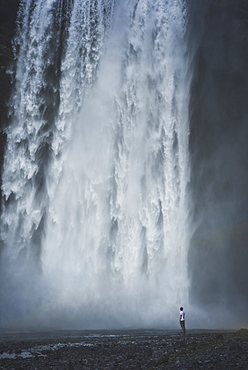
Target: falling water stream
(95, 222)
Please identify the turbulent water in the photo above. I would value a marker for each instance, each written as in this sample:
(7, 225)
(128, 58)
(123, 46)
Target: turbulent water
(95, 223)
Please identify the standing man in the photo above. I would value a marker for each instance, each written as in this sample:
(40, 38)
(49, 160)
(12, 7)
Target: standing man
(182, 319)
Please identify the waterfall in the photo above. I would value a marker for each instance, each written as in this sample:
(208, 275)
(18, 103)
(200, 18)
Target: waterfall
(95, 221)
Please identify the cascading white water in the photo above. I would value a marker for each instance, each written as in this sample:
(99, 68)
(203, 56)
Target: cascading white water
(96, 167)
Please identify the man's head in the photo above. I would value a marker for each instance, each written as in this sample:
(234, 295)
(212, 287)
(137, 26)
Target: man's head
(181, 308)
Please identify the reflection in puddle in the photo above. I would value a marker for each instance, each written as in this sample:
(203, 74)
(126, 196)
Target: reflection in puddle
(36, 351)
(24, 354)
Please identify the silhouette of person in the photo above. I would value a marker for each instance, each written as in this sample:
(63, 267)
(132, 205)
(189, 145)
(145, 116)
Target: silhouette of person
(182, 319)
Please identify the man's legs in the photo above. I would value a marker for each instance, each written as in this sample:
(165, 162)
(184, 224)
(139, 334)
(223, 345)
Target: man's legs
(182, 323)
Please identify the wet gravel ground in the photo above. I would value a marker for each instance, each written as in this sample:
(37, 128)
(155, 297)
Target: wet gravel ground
(135, 349)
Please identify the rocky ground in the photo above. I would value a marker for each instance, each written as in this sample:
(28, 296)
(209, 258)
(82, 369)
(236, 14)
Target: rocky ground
(141, 349)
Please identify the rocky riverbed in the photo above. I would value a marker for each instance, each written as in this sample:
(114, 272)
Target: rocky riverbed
(134, 349)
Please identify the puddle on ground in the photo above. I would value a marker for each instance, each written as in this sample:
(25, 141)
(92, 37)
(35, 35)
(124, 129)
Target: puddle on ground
(36, 351)
(23, 354)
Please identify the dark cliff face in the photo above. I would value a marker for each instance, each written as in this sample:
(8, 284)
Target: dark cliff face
(8, 12)
(219, 157)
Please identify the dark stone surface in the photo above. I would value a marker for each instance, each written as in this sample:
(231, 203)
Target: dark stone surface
(8, 12)
(218, 254)
(141, 349)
